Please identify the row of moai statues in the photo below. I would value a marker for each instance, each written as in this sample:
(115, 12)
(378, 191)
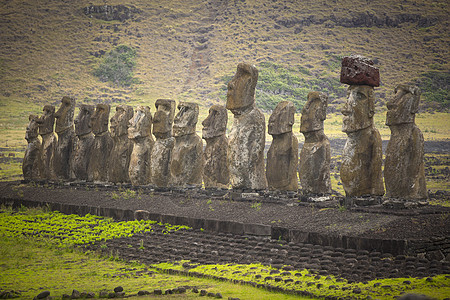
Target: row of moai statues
(176, 158)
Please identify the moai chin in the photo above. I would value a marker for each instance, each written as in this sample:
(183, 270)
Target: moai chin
(215, 172)
(315, 156)
(248, 133)
(66, 139)
(49, 142)
(187, 157)
(140, 134)
(31, 165)
(119, 160)
(282, 157)
(404, 173)
(163, 147)
(103, 143)
(362, 156)
(84, 142)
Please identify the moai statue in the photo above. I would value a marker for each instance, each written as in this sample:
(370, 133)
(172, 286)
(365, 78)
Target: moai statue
(66, 139)
(163, 147)
(215, 170)
(187, 163)
(248, 133)
(362, 156)
(31, 165)
(315, 157)
(140, 134)
(103, 143)
(49, 142)
(119, 160)
(282, 157)
(84, 142)
(404, 173)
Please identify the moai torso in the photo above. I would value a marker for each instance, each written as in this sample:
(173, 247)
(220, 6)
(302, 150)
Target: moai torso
(163, 147)
(119, 160)
(282, 157)
(103, 143)
(140, 135)
(248, 133)
(404, 173)
(84, 142)
(66, 139)
(31, 165)
(215, 170)
(315, 156)
(187, 157)
(49, 142)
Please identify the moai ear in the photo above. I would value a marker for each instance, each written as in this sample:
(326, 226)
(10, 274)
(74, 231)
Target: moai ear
(371, 103)
(416, 94)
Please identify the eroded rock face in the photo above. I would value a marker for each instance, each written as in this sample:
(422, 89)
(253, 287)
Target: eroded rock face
(66, 139)
(404, 173)
(187, 157)
(49, 142)
(215, 171)
(119, 160)
(84, 142)
(315, 156)
(282, 157)
(248, 134)
(31, 165)
(103, 143)
(139, 133)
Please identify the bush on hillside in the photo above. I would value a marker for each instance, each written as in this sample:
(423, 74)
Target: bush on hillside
(435, 87)
(117, 66)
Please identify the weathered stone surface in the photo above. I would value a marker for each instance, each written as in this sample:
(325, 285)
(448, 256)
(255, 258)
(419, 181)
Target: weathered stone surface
(358, 70)
(162, 149)
(103, 143)
(282, 157)
(84, 142)
(362, 156)
(315, 156)
(248, 134)
(119, 160)
(66, 139)
(140, 135)
(46, 124)
(404, 173)
(187, 157)
(215, 171)
(31, 165)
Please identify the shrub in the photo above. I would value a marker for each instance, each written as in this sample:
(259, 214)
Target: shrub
(117, 66)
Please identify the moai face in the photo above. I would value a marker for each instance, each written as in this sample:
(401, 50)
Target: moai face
(186, 119)
(83, 120)
(359, 108)
(47, 120)
(163, 119)
(216, 122)
(140, 123)
(100, 119)
(314, 112)
(32, 129)
(241, 89)
(119, 122)
(402, 108)
(64, 115)
(282, 118)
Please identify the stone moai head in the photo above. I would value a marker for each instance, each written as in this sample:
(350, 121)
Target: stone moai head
(47, 120)
(241, 89)
(186, 119)
(215, 123)
(32, 129)
(402, 108)
(100, 119)
(282, 118)
(140, 123)
(314, 112)
(83, 120)
(163, 118)
(64, 115)
(119, 122)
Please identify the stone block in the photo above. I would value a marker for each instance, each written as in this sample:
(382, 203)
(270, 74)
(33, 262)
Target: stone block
(358, 70)
(280, 233)
(257, 229)
(231, 227)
